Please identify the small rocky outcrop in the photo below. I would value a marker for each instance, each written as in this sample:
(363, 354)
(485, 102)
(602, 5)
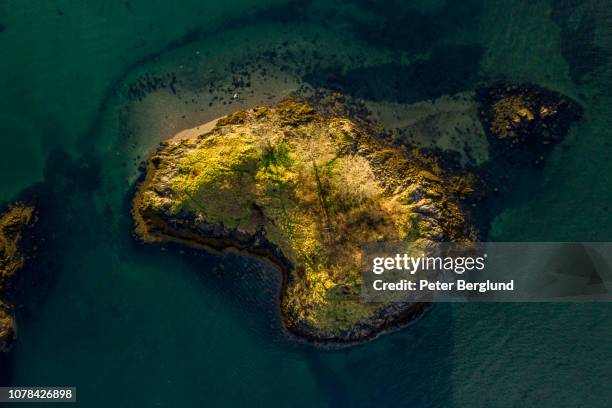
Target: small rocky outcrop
(13, 222)
(526, 119)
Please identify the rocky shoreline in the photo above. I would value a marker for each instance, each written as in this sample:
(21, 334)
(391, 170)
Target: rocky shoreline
(388, 319)
(13, 224)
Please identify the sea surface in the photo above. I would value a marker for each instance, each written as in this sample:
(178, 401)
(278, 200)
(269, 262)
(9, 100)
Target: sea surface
(89, 88)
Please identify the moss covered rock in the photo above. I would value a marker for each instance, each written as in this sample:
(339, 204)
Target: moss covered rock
(525, 119)
(304, 188)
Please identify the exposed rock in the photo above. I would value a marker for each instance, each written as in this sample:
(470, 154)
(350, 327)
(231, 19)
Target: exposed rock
(12, 224)
(303, 185)
(525, 118)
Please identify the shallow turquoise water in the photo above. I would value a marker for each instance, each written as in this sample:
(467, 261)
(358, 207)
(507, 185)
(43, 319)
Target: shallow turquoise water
(131, 326)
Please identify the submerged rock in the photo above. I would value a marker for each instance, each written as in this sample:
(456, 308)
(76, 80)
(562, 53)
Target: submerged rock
(304, 186)
(12, 224)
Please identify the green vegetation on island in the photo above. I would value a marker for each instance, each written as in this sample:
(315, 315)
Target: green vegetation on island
(304, 188)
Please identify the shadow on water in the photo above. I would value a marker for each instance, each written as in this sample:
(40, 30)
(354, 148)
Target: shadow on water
(577, 21)
(289, 11)
(328, 380)
(63, 203)
(448, 70)
(400, 25)
(249, 285)
(508, 184)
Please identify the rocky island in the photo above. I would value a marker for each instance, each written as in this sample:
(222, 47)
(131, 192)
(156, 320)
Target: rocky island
(525, 120)
(304, 188)
(12, 259)
(306, 182)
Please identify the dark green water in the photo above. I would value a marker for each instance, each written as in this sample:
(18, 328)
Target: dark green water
(135, 326)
